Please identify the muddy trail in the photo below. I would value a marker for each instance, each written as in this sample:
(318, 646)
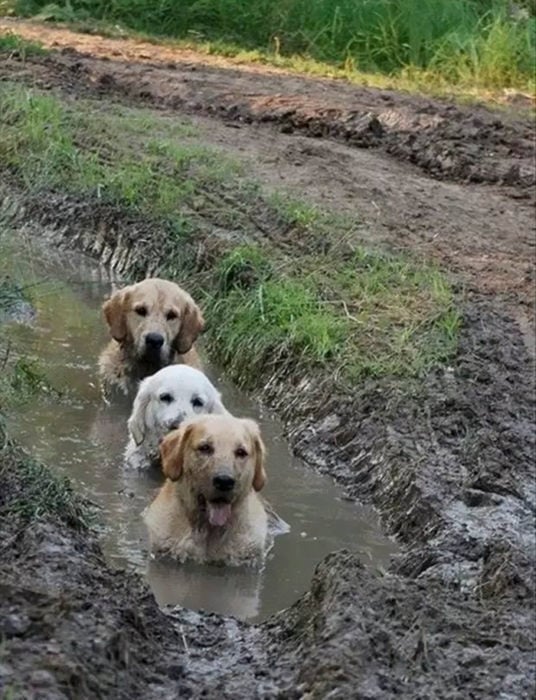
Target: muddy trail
(447, 463)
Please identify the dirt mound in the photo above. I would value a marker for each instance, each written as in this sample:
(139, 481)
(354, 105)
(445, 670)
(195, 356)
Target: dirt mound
(357, 636)
(73, 628)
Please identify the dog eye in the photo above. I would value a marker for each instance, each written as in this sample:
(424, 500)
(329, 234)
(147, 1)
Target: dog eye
(241, 452)
(166, 398)
(171, 315)
(205, 448)
(141, 310)
(197, 402)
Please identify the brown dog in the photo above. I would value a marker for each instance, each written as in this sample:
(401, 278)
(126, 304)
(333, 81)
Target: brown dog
(153, 324)
(208, 509)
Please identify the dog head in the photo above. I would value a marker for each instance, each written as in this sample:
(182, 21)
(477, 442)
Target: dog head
(153, 319)
(217, 461)
(167, 398)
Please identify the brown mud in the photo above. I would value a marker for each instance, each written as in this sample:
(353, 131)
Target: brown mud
(448, 462)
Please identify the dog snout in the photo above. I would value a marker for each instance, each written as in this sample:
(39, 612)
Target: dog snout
(154, 341)
(223, 482)
(175, 423)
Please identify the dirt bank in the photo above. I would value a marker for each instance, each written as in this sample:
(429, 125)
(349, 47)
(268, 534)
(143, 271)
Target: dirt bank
(446, 458)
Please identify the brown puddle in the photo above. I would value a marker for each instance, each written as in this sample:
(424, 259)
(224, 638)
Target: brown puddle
(79, 436)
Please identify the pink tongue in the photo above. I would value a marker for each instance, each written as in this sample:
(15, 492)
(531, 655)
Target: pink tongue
(219, 513)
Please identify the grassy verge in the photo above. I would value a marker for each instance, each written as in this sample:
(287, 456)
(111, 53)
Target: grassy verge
(469, 43)
(286, 287)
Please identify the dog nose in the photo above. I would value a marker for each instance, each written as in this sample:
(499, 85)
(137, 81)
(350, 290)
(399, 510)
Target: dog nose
(223, 482)
(154, 340)
(175, 423)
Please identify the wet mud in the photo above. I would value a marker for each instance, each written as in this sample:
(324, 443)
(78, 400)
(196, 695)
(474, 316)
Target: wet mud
(447, 460)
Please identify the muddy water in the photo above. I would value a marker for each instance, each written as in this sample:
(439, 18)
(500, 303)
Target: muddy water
(79, 436)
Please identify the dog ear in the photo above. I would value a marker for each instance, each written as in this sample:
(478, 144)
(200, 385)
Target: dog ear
(136, 422)
(192, 325)
(115, 315)
(259, 477)
(172, 452)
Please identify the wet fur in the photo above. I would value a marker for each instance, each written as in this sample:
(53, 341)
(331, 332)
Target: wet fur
(122, 363)
(176, 522)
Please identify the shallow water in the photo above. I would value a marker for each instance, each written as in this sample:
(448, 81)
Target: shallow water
(79, 436)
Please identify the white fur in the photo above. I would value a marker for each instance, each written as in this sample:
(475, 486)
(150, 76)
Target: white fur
(154, 414)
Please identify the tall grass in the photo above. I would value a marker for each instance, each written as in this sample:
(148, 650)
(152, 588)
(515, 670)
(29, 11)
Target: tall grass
(486, 42)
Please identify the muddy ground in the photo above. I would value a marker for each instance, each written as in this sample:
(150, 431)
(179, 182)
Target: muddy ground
(447, 462)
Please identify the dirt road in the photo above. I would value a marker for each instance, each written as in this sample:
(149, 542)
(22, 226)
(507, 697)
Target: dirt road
(449, 468)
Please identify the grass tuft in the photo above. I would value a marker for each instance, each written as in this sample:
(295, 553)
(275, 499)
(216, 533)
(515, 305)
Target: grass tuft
(373, 316)
(14, 45)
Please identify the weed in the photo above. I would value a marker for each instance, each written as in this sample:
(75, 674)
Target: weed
(15, 45)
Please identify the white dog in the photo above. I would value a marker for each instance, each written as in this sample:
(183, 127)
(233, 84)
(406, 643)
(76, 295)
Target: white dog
(164, 400)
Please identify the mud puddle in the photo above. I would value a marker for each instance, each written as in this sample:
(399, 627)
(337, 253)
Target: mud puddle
(80, 437)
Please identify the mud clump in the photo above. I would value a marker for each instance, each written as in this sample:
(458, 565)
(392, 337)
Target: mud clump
(358, 636)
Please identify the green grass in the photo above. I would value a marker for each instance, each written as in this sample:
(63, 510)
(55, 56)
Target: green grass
(489, 43)
(14, 45)
(75, 151)
(374, 315)
(281, 288)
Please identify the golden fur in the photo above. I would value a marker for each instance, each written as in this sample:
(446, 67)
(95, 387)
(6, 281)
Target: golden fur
(137, 314)
(191, 519)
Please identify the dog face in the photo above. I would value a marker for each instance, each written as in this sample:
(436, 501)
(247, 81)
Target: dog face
(153, 319)
(167, 398)
(217, 461)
